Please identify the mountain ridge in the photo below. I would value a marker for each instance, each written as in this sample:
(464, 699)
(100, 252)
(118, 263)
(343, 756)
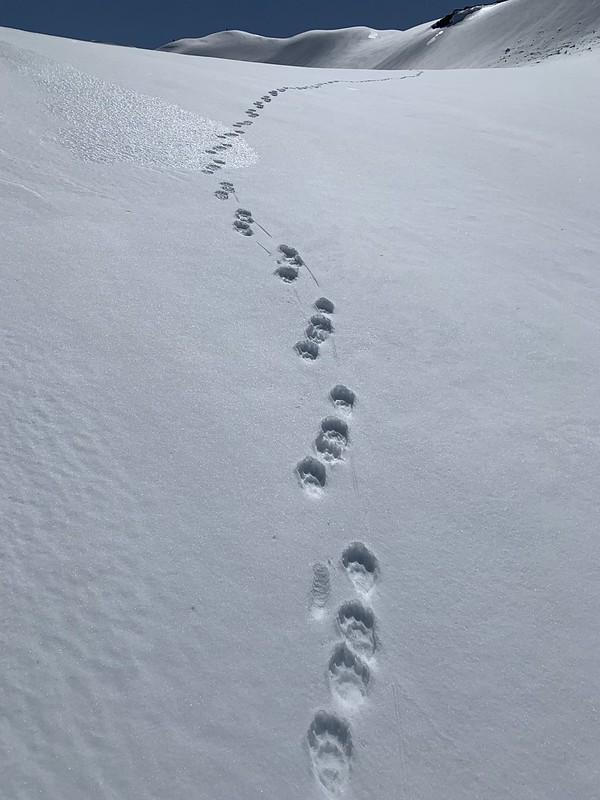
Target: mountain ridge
(507, 33)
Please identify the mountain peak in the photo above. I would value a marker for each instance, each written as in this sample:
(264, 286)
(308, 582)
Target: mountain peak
(505, 33)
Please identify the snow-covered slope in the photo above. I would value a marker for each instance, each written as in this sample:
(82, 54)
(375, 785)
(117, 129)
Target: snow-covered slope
(186, 611)
(507, 33)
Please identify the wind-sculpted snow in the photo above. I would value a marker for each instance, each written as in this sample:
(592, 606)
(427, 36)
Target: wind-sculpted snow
(108, 124)
(489, 35)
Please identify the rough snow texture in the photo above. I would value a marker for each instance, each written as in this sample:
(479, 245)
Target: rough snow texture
(232, 571)
(108, 124)
(507, 33)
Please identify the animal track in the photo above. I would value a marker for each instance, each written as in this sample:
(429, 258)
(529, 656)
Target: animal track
(244, 214)
(330, 744)
(312, 474)
(348, 675)
(321, 588)
(307, 349)
(361, 566)
(342, 397)
(332, 439)
(242, 222)
(319, 328)
(349, 667)
(289, 264)
(287, 272)
(243, 227)
(335, 426)
(225, 190)
(291, 254)
(328, 449)
(357, 624)
(324, 305)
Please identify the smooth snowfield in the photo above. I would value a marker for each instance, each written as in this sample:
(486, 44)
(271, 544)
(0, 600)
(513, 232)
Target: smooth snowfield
(505, 34)
(192, 606)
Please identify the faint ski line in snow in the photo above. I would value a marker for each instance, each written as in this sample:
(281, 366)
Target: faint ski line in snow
(401, 748)
(311, 273)
(263, 229)
(336, 357)
(354, 476)
(264, 248)
(22, 186)
(298, 299)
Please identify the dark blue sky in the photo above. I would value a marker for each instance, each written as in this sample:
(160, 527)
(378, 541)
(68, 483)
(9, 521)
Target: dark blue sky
(155, 22)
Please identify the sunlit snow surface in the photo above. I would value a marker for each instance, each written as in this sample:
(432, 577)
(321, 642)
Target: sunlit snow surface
(299, 460)
(509, 33)
(109, 124)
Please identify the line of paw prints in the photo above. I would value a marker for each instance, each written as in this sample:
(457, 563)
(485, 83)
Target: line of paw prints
(225, 189)
(318, 330)
(350, 666)
(349, 669)
(329, 445)
(243, 222)
(258, 105)
(288, 263)
(219, 148)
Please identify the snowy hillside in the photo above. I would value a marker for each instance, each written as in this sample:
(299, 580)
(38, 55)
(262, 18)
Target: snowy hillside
(510, 32)
(300, 461)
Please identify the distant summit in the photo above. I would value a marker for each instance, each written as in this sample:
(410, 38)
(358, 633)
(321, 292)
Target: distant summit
(460, 14)
(505, 33)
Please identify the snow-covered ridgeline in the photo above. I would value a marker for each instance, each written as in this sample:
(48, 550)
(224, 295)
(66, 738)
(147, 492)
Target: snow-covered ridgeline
(508, 33)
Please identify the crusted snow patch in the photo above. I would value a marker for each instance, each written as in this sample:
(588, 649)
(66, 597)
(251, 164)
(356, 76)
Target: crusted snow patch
(106, 123)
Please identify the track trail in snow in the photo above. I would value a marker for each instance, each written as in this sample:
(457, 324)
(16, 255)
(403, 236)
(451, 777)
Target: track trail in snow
(353, 657)
(223, 141)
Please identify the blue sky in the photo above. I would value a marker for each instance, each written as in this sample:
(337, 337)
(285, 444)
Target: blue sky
(155, 22)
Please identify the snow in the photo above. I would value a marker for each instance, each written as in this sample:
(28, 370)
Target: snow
(508, 33)
(183, 616)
